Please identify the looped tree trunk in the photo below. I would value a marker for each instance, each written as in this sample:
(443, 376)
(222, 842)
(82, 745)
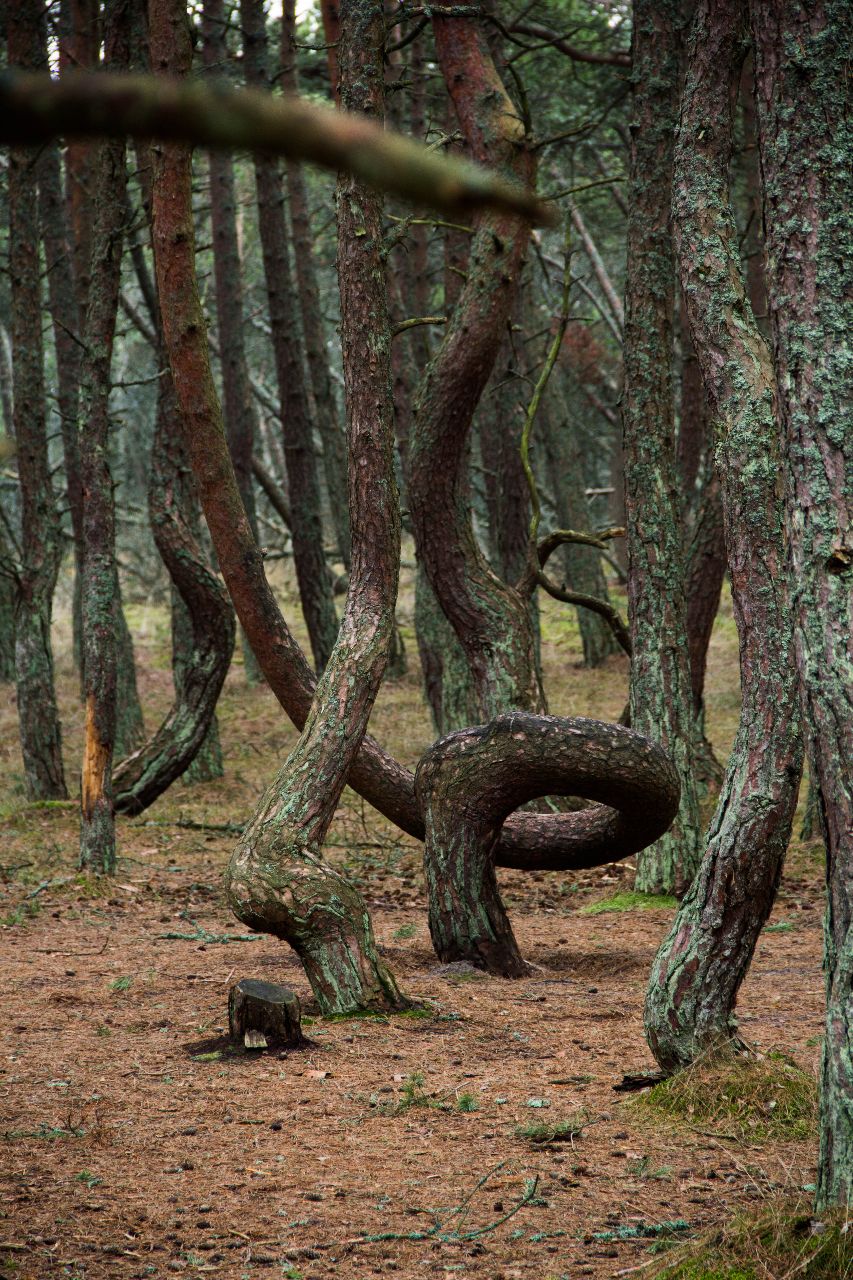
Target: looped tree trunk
(470, 781)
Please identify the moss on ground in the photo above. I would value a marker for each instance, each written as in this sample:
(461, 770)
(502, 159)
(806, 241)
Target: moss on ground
(778, 1240)
(768, 1097)
(631, 901)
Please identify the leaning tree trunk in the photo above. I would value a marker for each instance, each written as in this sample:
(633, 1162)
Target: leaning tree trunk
(41, 545)
(805, 130)
(661, 703)
(490, 618)
(238, 407)
(277, 879)
(698, 970)
(315, 584)
(325, 404)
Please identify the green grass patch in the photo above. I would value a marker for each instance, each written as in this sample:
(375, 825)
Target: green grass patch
(541, 1132)
(631, 901)
(780, 1239)
(769, 1097)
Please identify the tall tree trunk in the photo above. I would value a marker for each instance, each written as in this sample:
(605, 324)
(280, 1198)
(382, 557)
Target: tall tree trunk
(97, 825)
(277, 878)
(661, 703)
(315, 585)
(698, 970)
(491, 619)
(325, 404)
(805, 130)
(238, 406)
(41, 545)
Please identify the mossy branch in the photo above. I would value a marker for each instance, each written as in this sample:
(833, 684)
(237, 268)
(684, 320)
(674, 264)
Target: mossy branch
(35, 108)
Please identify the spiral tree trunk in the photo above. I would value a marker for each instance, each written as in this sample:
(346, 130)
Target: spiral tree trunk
(470, 781)
(698, 970)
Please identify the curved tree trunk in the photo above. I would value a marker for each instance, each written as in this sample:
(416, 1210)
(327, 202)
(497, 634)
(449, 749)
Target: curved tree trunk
(490, 618)
(661, 703)
(470, 781)
(99, 577)
(315, 586)
(698, 970)
(41, 547)
(145, 775)
(531, 841)
(805, 130)
(277, 877)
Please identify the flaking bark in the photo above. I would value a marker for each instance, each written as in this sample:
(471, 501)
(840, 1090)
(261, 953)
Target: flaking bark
(805, 135)
(700, 966)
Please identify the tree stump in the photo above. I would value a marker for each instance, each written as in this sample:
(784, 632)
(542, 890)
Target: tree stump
(261, 1014)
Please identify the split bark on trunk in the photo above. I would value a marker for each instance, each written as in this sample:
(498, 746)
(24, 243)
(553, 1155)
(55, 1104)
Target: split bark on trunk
(805, 131)
(661, 703)
(325, 401)
(698, 970)
(277, 879)
(99, 577)
(41, 546)
(490, 618)
(237, 404)
(315, 587)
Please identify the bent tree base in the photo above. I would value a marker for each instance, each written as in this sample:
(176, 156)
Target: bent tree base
(293, 894)
(469, 782)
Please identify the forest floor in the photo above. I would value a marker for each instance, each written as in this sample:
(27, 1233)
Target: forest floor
(134, 1143)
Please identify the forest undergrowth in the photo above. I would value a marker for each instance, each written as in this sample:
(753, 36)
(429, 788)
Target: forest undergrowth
(480, 1134)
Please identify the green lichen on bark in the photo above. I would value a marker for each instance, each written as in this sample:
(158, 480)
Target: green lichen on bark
(805, 135)
(701, 964)
(661, 704)
(41, 550)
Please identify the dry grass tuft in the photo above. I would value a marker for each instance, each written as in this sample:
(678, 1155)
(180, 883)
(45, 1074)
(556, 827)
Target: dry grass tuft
(767, 1097)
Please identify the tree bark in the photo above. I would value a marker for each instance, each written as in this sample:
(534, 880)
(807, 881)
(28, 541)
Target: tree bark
(698, 970)
(41, 546)
(315, 588)
(661, 704)
(237, 404)
(490, 619)
(470, 781)
(99, 578)
(325, 403)
(806, 151)
(277, 879)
